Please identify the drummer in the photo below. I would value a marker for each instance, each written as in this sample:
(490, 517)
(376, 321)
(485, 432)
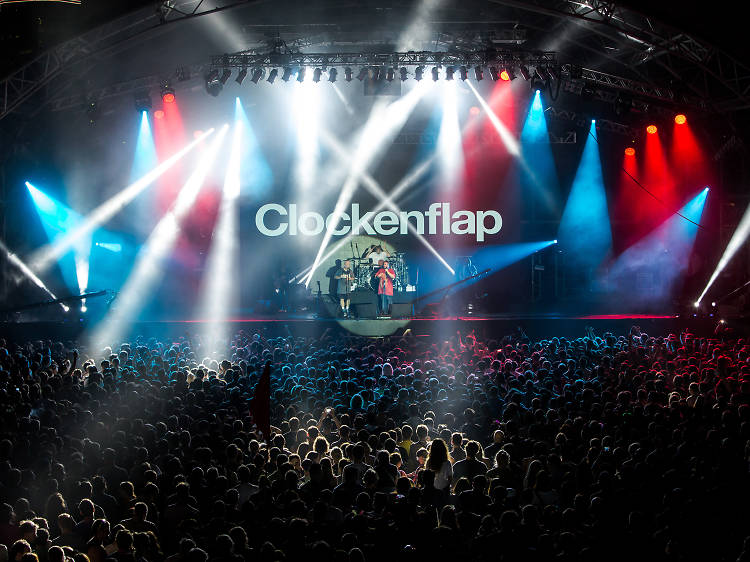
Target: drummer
(377, 254)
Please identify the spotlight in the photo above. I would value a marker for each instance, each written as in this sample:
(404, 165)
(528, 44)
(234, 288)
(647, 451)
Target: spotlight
(435, 73)
(504, 76)
(651, 129)
(301, 74)
(464, 73)
(226, 73)
(84, 308)
(257, 75)
(418, 73)
(697, 304)
(524, 70)
(713, 303)
(390, 75)
(332, 75)
(272, 76)
(159, 114)
(554, 241)
(449, 73)
(494, 74)
(316, 74)
(404, 74)
(167, 94)
(241, 76)
(142, 102)
(630, 151)
(348, 74)
(375, 73)
(478, 73)
(287, 75)
(362, 74)
(680, 119)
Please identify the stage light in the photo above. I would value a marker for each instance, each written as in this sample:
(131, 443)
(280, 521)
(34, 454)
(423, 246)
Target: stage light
(257, 75)
(241, 76)
(504, 76)
(301, 74)
(494, 74)
(348, 74)
(419, 73)
(167, 94)
(142, 102)
(680, 119)
(158, 114)
(713, 303)
(376, 73)
(478, 73)
(474, 110)
(449, 73)
(225, 74)
(316, 75)
(332, 75)
(363, 72)
(697, 304)
(651, 129)
(390, 75)
(554, 241)
(404, 73)
(287, 74)
(84, 308)
(213, 84)
(435, 73)
(630, 151)
(525, 74)
(43, 258)
(464, 73)
(272, 76)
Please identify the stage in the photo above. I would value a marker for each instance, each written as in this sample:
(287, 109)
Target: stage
(536, 326)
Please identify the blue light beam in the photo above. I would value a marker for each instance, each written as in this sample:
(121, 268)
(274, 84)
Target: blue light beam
(585, 234)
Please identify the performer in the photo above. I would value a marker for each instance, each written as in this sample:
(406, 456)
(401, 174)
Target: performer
(345, 277)
(385, 276)
(377, 254)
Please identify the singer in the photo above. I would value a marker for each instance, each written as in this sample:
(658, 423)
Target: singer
(385, 276)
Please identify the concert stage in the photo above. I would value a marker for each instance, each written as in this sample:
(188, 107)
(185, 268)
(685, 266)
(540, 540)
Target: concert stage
(538, 326)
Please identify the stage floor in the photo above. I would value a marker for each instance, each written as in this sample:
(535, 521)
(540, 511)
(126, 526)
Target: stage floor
(536, 326)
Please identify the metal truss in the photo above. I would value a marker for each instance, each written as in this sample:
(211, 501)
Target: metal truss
(24, 82)
(584, 121)
(143, 83)
(485, 138)
(274, 59)
(652, 49)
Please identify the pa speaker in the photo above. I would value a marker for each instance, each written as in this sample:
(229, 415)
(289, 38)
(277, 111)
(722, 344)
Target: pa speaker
(365, 310)
(401, 310)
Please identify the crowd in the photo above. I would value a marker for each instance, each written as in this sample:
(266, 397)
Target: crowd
(602, 447)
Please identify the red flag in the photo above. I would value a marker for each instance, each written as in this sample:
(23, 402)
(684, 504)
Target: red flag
(260, 403)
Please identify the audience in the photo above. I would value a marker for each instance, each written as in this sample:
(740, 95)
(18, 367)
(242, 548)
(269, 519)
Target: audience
(600, 447)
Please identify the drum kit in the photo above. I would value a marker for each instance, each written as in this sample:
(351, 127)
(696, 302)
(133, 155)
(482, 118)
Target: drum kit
(364, 272)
